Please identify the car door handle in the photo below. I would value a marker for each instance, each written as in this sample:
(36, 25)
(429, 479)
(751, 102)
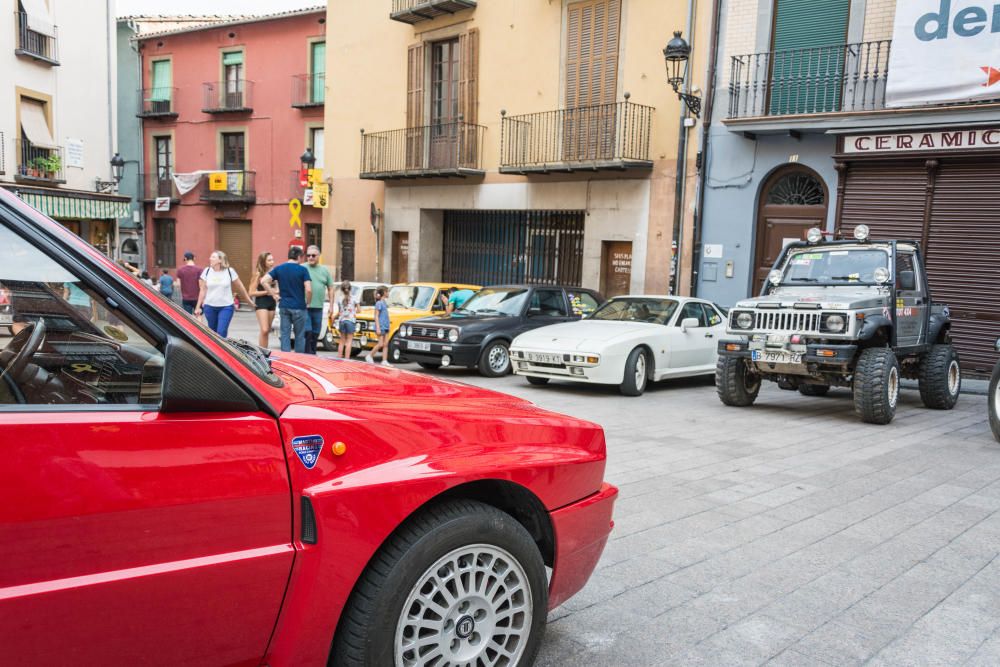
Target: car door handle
(709, 335)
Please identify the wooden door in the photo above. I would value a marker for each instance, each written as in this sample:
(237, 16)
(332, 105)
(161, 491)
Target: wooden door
(345, 253)
(793, 201)
(444, 104)
(236, 240)
(400, 257)
(616, 268)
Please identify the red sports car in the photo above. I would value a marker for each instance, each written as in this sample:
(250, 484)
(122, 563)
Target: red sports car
(169, 497)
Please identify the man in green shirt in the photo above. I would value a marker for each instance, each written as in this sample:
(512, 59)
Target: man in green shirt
(322, 291)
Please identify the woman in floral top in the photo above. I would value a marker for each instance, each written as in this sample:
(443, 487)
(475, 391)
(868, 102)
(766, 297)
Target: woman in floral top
(346, 319)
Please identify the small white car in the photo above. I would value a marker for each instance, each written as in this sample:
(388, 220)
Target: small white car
(628, 341)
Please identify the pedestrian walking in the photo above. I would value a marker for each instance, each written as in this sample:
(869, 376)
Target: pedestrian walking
(457, 298)
(218, 284)
(188, 276)
(167, 285)
(381, 327)
(265, 305)
(322, 292)
(293, 293)
(347, 311)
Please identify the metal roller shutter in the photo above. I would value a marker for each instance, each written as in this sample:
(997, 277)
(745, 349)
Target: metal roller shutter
(963, 257)
(889, 198)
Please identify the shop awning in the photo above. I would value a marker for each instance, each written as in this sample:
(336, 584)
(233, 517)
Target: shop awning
(59, 205)
(39, 19)
(35, 125)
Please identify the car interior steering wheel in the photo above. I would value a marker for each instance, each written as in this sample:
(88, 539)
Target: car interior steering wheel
(35, 334)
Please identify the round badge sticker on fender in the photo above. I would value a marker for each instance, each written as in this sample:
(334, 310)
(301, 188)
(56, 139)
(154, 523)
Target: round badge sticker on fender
(307, 448)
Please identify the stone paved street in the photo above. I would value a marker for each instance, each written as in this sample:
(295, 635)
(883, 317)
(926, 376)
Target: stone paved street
(784, 534)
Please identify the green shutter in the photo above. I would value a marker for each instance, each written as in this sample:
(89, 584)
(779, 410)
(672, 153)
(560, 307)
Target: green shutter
(318, 72)
(162, 81)
(232, 58)
(807, 67)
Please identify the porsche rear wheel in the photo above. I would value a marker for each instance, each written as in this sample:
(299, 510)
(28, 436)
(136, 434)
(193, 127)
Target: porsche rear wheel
(460, 583)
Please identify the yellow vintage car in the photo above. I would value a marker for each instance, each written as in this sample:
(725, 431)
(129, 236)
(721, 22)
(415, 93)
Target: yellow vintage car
(406, 302)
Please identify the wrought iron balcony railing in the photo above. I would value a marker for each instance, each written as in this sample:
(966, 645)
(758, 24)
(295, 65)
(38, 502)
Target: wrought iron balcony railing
(34, 44)
(155, 186)
(233, 96)
(823, 79)
(157, 103)
(239, 187)
(443, 149)
(35, 163)
(414, 11)
(602, 136)
(308, 90)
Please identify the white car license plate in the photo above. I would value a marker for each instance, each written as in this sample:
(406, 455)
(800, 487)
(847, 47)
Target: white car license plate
(777, 357)
(542, 358)
(6, 318)
(418, 345)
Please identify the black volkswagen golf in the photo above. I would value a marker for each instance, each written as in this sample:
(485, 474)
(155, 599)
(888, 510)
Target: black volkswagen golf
(478, 334)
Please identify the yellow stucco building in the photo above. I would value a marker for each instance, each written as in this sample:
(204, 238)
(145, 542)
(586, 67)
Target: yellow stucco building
(510, 140)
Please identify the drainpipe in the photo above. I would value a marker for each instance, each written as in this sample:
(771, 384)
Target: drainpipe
(706, 125)
(681, 167)
(108, 14)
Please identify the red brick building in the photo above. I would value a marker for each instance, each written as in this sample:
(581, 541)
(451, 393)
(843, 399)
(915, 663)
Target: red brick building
(228, 109)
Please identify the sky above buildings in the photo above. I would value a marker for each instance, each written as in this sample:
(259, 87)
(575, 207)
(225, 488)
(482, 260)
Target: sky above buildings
(175, 7)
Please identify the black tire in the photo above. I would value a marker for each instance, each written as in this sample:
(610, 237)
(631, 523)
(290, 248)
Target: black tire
(495, 359)
(993, 399)
(636, 373)
(940, 378)
(536, 380)
(735, 382)
(814, 389)
(411, 558)
(329, 342)
(876, 385)
(428, 365)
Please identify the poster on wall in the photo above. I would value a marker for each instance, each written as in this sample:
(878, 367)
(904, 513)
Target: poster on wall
(162, 204)
(74, 153)
(944, 51)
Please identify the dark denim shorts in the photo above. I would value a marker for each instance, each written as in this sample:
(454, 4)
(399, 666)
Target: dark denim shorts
(347, 327)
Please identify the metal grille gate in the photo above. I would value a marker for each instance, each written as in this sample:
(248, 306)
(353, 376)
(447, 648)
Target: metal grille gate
(493, 247)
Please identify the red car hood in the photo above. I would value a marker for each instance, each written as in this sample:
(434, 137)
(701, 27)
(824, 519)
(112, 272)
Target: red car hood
(341, 380)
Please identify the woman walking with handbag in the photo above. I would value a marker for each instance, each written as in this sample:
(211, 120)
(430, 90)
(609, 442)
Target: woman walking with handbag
(216, 287)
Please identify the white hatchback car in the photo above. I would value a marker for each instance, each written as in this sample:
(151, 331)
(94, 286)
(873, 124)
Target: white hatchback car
(628, 341)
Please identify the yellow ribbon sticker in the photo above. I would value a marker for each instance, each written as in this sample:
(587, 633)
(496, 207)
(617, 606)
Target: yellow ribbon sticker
(295, 208)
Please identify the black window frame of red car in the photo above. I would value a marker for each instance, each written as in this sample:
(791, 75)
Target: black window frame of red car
(118, 295)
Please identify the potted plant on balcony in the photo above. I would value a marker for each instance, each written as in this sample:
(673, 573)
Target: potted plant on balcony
(50, 165)
(37, 166)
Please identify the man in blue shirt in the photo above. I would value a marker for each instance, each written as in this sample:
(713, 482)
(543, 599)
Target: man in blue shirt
(167, 285)
(293, 293)
(457, 298)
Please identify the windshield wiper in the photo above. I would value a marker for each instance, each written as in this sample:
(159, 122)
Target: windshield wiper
(804, 280)
(493, 311)
(259, 357)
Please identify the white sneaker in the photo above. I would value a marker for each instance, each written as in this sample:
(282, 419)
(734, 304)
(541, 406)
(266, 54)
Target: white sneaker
(386, 363)
(369, 359)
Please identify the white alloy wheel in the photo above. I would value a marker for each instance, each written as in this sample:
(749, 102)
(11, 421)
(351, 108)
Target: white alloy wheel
(893, 386)
(640, 372)
(473, 606)
(954, 377)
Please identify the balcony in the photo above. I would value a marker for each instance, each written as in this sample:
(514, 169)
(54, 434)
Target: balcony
(157, 103)
(36, 164)
(443, 149)
(308, 91)
(238, 188)
(228, 96)
(155, 187)
(415, 11)
(36, 39)
(604, 136)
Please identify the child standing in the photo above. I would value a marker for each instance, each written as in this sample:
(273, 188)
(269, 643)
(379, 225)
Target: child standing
(346, 320)
(381, 327)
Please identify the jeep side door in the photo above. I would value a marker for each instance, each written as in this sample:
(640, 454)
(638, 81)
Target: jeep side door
(911, 300)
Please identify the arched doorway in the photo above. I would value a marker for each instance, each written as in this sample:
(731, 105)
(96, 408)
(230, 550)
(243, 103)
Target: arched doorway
(793, 200)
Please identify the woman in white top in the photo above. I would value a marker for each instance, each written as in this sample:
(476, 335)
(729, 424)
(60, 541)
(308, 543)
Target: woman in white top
(217, 284)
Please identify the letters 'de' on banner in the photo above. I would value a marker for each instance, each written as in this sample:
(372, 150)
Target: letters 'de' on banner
(944, 51)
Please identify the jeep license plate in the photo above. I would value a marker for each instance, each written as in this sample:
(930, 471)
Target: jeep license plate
(418, 346)
(777, 357)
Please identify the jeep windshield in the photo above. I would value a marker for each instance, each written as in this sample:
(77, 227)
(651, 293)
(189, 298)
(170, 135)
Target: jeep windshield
(834, 266)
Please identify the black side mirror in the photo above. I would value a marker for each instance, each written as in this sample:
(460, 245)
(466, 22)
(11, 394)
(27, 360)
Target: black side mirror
(194, 383)
(907, 281)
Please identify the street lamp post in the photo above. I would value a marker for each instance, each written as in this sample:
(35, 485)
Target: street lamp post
(117, 172)
(677, 55)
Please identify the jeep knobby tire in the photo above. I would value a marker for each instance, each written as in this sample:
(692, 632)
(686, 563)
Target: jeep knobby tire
(876, 385)
(735, 382)
(940, 378)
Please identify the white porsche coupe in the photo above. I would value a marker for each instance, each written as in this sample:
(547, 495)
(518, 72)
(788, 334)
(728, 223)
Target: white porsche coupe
(628, 341)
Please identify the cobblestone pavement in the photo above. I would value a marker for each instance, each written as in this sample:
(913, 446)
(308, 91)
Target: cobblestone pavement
(784, 534)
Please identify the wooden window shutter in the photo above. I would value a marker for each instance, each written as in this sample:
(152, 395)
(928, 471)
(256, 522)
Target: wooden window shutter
(592, 38)
(468, 84)
(415, 86)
